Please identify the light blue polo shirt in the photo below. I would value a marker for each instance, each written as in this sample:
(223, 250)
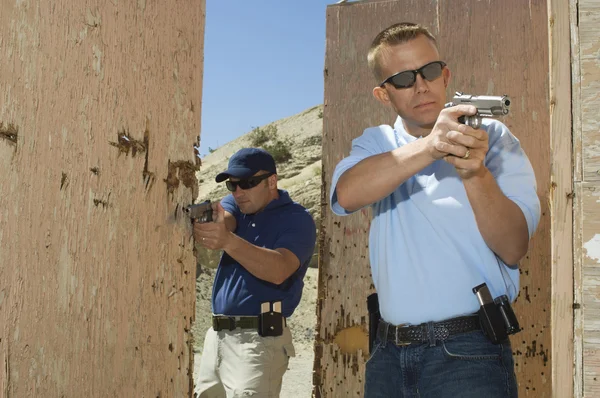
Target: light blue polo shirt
(425, 248)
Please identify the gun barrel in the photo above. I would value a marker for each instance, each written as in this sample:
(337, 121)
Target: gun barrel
(487, 105)
(200, 211)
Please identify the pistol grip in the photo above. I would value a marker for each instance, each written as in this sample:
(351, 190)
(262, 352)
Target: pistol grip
(472, 121)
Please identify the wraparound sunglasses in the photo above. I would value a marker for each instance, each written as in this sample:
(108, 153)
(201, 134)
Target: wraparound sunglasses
(407, 78)
(246, 183)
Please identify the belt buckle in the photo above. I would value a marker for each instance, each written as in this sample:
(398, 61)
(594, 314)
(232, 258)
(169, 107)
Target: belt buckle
(444, 333)
(231, 323)
(218, 323)
(396, 341)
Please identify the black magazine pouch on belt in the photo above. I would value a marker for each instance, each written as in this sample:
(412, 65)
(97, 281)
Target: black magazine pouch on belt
(374, 317)
(270, 320)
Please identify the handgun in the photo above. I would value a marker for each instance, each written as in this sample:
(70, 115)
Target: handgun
(201, 212)
(487, 106)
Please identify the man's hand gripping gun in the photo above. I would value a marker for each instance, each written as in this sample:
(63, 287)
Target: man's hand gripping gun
(201, 212)
(487, 106)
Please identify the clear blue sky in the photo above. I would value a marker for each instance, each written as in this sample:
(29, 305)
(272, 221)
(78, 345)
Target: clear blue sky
(263, 61)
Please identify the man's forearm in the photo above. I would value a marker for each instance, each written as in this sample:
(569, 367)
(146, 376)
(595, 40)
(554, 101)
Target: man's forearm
(375, 177)
(500, 221)
(266, 264)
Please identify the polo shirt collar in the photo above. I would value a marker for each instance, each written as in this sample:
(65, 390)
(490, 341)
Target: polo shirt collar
(284, 199)
(400, 130)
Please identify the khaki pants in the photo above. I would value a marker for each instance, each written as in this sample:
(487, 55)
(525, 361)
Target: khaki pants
(240, 363)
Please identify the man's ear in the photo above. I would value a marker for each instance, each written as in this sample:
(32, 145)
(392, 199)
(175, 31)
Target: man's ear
(381, 95)
(272, 181)
(447, 75)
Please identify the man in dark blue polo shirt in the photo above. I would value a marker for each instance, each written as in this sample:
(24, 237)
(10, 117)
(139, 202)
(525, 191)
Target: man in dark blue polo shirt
(267, 242)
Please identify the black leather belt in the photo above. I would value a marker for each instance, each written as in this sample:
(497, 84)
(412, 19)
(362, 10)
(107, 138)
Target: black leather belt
(223, 322)
(406, 335)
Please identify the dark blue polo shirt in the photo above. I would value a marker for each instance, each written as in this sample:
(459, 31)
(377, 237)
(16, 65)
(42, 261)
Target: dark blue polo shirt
(282, 224)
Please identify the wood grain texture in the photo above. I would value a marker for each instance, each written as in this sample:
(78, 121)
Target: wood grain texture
(577, 203)
(590, 244)
(589, 62)
(480, 43)
(344, 273)
(97, 273)
(561, 199)
(586, 125)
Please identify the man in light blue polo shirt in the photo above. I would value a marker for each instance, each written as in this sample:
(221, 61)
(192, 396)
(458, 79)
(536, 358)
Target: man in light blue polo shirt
(267, 241)
(453, 207)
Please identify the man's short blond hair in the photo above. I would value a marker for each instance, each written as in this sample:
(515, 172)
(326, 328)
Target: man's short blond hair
(396, 34)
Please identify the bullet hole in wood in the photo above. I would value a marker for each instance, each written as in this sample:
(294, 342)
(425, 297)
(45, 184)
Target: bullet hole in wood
(64, 181)
(182, 172)
(98, 202)
(9, 133)
(148, 176)
(177, 212)
(104, 203)
(126, 144)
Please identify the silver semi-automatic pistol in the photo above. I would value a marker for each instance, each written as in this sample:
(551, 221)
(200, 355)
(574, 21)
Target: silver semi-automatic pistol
(487, 106)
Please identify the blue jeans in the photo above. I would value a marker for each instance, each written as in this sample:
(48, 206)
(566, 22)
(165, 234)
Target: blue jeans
(465, 365)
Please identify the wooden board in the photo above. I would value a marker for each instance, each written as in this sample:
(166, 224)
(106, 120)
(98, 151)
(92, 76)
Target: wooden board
(561, 199)
(99, 110)
(480, 43)
(585, 27)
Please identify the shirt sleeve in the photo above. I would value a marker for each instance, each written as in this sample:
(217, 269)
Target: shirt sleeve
(513, 172)
(298, 235)
(230, 206)
(362, 147)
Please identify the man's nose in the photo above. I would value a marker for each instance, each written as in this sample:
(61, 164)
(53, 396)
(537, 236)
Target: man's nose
(421, 85)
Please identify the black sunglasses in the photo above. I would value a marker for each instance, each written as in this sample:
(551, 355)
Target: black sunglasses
(246, 183)
(407, 78)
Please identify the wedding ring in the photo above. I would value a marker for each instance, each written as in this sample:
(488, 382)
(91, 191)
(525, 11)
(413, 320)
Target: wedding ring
(467, 154)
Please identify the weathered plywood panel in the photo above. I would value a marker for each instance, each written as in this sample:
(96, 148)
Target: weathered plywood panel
(589, 59)
(481, 48)
(97, 290)
(586, 70)
(590, 203)
(578, 352)
(561, 200)
(344, 271)
(480, 44)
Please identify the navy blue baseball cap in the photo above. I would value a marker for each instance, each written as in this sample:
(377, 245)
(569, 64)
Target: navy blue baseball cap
(246, 162)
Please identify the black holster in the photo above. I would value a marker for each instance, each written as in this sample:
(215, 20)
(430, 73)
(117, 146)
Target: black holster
(374, 317)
